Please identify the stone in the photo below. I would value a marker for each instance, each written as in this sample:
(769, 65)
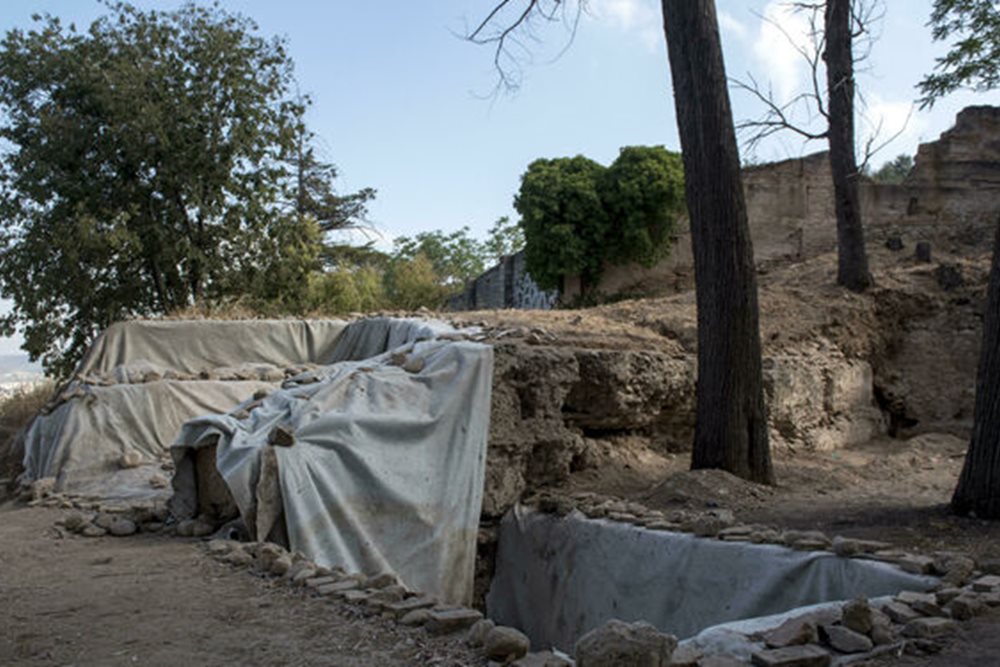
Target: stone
(201, 529)
(857, 616)
(542, 659)
(185, 527)
(158, 481)
(845, 640)
(75, 521)
(281, 436)
(317, 582)
(916, 564)
(505, 644)
(302, 576)
(382, 580)
(280, 565)
(90, 530)
(926, 628)
(894, 243)
(882, 633)
(986, 584)
(959, 571)
(618, 643)
(685, 656)
(946, 595)
(152, 527)
(42, 487)
(793, 632)
(736, 533)
(899, 612)
(477, 633)
(445, 621)
(965, 607)
(122, 527)
(415, 618)
(808, 655)
(990, 566)
(413, 364)
(104, 520)
(354, 596)
(239, 558)
(949, 276)
(130, 459)
(343, 585)
(220, 547)
(805, 539)
(923, 252)
(405, 606)
(923, 603)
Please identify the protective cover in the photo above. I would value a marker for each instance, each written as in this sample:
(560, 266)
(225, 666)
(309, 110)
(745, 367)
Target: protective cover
(193, 346)
(387, 466)
(82, 441)
(558, 578)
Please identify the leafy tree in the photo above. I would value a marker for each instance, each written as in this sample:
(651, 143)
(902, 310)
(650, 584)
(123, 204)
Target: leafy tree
(578, 215)
(504, 238)
(894, 171)
(643, 194)
(974, 58)
(413, 282)
(145, 167)
(454, 257)
(563, 220)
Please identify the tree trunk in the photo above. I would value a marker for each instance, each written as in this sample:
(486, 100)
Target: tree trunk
(852, 261)
(731, 418)
(979, 486)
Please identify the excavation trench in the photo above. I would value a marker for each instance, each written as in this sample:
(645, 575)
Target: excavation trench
(556, 578)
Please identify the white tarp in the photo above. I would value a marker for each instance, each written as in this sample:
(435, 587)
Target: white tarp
(557, 578)
(386, 471)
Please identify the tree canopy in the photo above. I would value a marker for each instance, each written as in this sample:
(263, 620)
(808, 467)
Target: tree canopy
(149, 164)
(974, 58)
(577, 214)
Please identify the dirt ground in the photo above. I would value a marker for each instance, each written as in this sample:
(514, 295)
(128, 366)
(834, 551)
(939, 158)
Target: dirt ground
(147, 600)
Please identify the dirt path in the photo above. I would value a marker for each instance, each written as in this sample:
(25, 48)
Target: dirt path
(147, 600)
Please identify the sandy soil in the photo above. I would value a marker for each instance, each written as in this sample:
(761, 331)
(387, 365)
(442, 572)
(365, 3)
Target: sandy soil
(146, 600)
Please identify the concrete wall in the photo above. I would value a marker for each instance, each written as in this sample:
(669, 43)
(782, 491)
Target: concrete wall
(506, 285)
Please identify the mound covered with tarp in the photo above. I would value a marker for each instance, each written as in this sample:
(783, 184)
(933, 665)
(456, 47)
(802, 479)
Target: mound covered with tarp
(374, 463)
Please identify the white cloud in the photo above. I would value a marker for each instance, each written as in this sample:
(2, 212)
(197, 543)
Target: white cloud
(783, 33)
(638, 17)
(730, 24)
(894, 120)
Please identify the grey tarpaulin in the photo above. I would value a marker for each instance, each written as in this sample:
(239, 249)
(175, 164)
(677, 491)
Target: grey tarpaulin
(386, 473)
(558, 578)
(192, 346)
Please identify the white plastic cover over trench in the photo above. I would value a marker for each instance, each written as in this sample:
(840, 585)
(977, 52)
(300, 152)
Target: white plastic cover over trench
(558, 578)
(111, 407)
(387, 467)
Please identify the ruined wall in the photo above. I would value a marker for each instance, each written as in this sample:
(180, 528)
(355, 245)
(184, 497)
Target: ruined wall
(506, 285)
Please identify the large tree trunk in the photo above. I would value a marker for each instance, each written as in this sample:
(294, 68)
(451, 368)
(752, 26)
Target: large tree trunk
(979, 486)
(852, 261)
(731, 418)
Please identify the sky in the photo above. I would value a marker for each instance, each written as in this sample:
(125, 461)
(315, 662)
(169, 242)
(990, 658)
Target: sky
(403, 104)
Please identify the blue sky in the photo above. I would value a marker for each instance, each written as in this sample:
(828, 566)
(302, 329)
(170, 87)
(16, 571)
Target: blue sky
(402, 104)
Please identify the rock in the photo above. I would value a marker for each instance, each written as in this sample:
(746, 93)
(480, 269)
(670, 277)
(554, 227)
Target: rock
(618, 643)
(965, 607)
(924, 628)
(239, 558)
(340, 586)
(281, 436)
(809, 655)
(152, 527)
(316, 582)
(505, 644)
(413, 364)
(445, 621)
(542, 659)
(416, 617)
(220, 547)
(130, 459)
(986, 584)
(924, 603)
(923, 252)
(185, 527)
(158, 481)
(90, 530)
(894, 243)
(990, 566)
(736, 533)
(281, 565)
(382, 580)
(946, 595)
(122, 527)
(846, 640)
(404, 607)
(302, 576)
(354, 596)
(882, 633)
(792, 632)
(899, 612)
(104, 520)
(916, 564)
(857, 616)
(949, 276)
(477, 633)
(75, 521)
(806, 539)
(685, 656)
(42, 487)
(959, 571)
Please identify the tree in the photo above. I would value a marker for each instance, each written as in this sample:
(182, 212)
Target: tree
(454, 257)
(731, 417)
(894, 171)
(844, 22)
(504, 238)
(973, 60)
(731, 429)
(145, 169)
(578, 215)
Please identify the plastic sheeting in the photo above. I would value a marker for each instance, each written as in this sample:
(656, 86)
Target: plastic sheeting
(386, 471)
(192, 346)
(557, 578)
(82, 441)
